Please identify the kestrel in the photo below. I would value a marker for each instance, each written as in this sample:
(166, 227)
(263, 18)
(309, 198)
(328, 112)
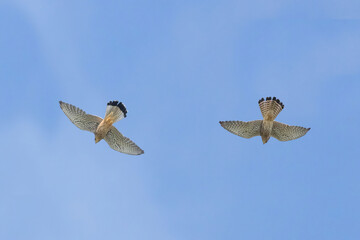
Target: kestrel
(103, 128)
(267, 127)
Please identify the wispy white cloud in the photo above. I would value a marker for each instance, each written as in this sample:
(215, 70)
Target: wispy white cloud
(86, 193)
(58, 35)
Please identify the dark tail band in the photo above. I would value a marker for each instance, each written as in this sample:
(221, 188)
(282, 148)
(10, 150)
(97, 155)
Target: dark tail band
(120, 105)
(272, 99)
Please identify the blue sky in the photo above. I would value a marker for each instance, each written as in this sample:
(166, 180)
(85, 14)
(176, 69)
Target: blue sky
(179, 67)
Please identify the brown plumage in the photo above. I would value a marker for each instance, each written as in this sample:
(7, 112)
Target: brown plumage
(103, 128)
(270, 108)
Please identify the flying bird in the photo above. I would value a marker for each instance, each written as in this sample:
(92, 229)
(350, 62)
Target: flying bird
(266, 128)
(103, 128)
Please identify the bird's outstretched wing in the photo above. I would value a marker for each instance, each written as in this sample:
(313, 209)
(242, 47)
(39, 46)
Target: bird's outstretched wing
(243, 129)
(78, 117)
(119, 143)
(283, 132)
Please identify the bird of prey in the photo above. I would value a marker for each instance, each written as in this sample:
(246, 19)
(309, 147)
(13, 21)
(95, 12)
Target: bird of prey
(103, 128)
(267, 127)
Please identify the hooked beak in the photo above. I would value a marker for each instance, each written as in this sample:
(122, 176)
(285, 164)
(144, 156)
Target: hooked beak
(97, 140)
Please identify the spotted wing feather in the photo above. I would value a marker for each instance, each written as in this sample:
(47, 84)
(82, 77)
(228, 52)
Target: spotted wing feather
(283, 132)
(243, 129)
(120, 143)
(80, 118)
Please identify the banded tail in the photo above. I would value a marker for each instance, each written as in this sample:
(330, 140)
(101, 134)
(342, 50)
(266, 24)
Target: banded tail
(270, 108)
(115, 111)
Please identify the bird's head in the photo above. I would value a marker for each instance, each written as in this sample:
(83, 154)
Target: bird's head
(97, 139)
(265, 139)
